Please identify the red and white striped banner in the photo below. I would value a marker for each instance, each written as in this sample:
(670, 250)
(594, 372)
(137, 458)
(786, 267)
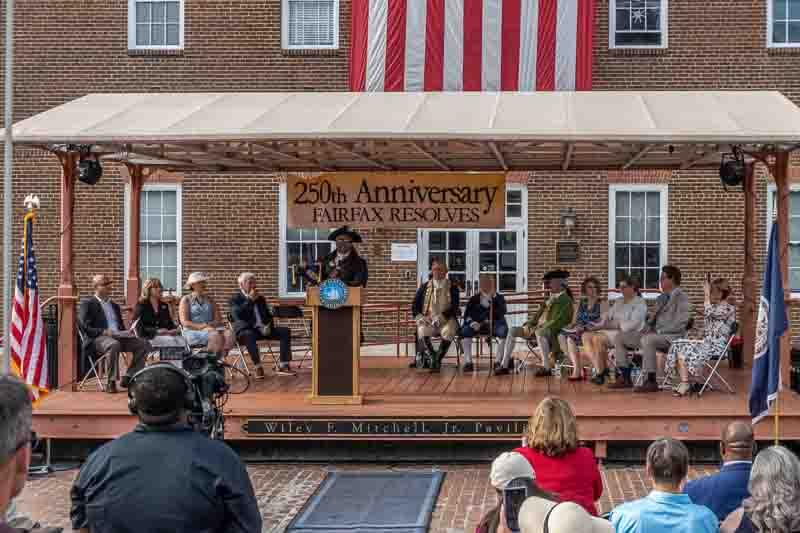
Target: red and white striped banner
(471, 45)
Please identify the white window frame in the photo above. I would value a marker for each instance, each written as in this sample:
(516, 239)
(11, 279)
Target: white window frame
(612, 29)
(285, 30)
(132, 28)
(172, 187)
(612, 226)
(770, 41)
(772, 191)
(283, 285)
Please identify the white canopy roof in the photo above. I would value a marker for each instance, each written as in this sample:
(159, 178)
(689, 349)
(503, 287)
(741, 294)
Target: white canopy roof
(418, 131)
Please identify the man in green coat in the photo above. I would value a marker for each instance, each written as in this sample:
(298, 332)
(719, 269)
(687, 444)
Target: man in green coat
(548, 321)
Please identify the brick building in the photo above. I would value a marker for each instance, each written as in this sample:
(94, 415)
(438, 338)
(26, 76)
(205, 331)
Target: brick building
(225, 224)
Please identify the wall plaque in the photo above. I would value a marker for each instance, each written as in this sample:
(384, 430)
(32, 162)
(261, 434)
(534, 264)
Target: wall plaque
(412, 428)
(567, 251)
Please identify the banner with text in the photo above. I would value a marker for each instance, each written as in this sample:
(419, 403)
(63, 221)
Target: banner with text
(391, 199)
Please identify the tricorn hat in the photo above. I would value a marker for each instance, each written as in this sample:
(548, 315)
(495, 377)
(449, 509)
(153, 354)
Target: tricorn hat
(556, 274)
(345, 231)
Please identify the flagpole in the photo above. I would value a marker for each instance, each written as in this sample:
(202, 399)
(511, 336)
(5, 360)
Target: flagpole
(8, 162)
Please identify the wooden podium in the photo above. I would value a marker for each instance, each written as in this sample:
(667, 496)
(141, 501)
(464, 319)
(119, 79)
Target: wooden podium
(336, 344)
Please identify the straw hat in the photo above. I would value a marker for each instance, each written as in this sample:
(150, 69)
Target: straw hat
(564, 517)
(508, 466)
(195, 277)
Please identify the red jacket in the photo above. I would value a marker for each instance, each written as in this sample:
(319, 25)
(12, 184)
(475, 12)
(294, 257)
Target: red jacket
(573, 477)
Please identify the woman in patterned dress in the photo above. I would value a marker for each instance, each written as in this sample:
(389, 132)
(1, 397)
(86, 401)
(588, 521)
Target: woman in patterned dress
(590, 313)
(689, 356)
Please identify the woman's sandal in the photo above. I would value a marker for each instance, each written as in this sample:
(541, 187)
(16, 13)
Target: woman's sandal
(683, 389)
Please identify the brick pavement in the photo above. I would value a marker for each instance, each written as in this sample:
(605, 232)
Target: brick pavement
(282, 489)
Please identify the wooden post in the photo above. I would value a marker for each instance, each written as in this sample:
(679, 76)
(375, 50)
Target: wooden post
(67, 324)
(747, 315)
(132, 282)
(781, 174)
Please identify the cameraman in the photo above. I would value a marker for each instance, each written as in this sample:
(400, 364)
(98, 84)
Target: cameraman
(163, 477)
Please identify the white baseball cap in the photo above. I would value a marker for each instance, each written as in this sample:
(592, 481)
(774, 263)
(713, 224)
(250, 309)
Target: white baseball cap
(564, 517)
(508, 466)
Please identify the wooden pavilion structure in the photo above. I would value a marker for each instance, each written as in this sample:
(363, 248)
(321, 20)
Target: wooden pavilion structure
(406, 132)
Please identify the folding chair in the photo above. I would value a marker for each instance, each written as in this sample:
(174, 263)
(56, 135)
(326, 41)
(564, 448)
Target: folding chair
(713, 370)
(296, 312)
(97, 366)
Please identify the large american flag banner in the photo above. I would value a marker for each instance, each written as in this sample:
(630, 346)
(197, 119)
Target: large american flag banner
(471, 45)
(28, 339)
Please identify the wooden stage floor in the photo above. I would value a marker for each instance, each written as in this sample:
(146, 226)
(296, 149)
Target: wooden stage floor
(405, 404)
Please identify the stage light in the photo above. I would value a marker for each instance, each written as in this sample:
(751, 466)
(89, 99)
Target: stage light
(732, 169)
(89, 169)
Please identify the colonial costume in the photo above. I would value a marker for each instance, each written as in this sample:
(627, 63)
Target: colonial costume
(546, 324)
(485, 315)
(435, 309)
(350, 267)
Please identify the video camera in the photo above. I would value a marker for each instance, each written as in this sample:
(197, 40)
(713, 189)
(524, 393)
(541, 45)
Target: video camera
(207, 372)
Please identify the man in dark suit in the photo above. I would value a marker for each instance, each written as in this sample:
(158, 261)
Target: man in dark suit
(344, 263)
(104, 332)
(253, 321)
(724, 492)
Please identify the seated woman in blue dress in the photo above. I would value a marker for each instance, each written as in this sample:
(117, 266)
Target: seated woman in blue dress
(590, 314)
(485, 313)
(201, 318)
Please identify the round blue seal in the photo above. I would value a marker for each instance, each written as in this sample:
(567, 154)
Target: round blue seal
(332, 293)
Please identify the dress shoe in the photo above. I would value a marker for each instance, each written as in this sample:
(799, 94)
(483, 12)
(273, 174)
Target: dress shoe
(647, 386)
(600, 378)
(111, 388)
(125, 382)
(468, 367)
(542, 372)
(502, 372)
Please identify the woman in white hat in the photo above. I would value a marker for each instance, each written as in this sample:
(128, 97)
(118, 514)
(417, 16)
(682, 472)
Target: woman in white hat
(201, 318)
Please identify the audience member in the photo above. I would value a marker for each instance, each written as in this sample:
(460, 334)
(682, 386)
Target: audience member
(100, 320)
(666, 508)
(163, 476)
(724, 492)
(485, 314)
(627, 314)
(507, 467)
(562, 467)
(669, 322)
(16, 439)
(689, 356)
(548, 322)
(152, 318)
(590, 314)
(538, 515)
(253, 321)
(435, 308)
(201, 318)
(774, 502)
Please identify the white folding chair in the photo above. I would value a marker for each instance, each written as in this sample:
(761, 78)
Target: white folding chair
(713, 369)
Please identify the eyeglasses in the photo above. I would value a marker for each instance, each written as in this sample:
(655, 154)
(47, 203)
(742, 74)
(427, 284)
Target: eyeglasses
(33, 440)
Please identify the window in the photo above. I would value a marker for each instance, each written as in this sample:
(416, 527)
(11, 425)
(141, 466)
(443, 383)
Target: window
(155, 24)
(298, 246)
(159, 234)
(638, 24)
(310, 24)
(637, 232)
(783, 17)
(794, 232)
(513, 202)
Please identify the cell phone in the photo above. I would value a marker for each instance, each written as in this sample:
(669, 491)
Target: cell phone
(514, 494)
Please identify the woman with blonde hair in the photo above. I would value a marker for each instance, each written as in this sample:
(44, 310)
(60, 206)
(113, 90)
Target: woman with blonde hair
(201, 318)
(562, 466)
(152, 317)
(774, 502)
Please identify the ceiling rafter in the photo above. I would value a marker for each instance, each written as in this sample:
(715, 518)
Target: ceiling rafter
(568, 149)
(498, 155)
(359, 156)
(643, 151)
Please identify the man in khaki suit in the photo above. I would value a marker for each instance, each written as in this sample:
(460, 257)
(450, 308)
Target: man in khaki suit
(668, 322)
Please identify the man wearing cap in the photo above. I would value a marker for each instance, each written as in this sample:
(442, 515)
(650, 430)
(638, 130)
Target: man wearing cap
(546, 324)
(100, 320)
(344, 263)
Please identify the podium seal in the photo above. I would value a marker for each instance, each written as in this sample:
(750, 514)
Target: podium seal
(332, 293)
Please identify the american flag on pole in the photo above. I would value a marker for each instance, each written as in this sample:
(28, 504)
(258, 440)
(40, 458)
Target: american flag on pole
(471, 45)
(28, 340)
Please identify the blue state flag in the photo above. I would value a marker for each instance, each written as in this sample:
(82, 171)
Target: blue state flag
(771, 325)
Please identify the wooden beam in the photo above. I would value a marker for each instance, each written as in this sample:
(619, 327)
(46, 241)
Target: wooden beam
(441, 164)
(67, 319)
(747, 314)
(277, 153)
(696, 158)
(637, 156)
(359, 156)
(568, 149)
(132, 281)
(498, 154)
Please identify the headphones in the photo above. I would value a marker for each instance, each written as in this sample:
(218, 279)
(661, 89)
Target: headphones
(188, 398)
